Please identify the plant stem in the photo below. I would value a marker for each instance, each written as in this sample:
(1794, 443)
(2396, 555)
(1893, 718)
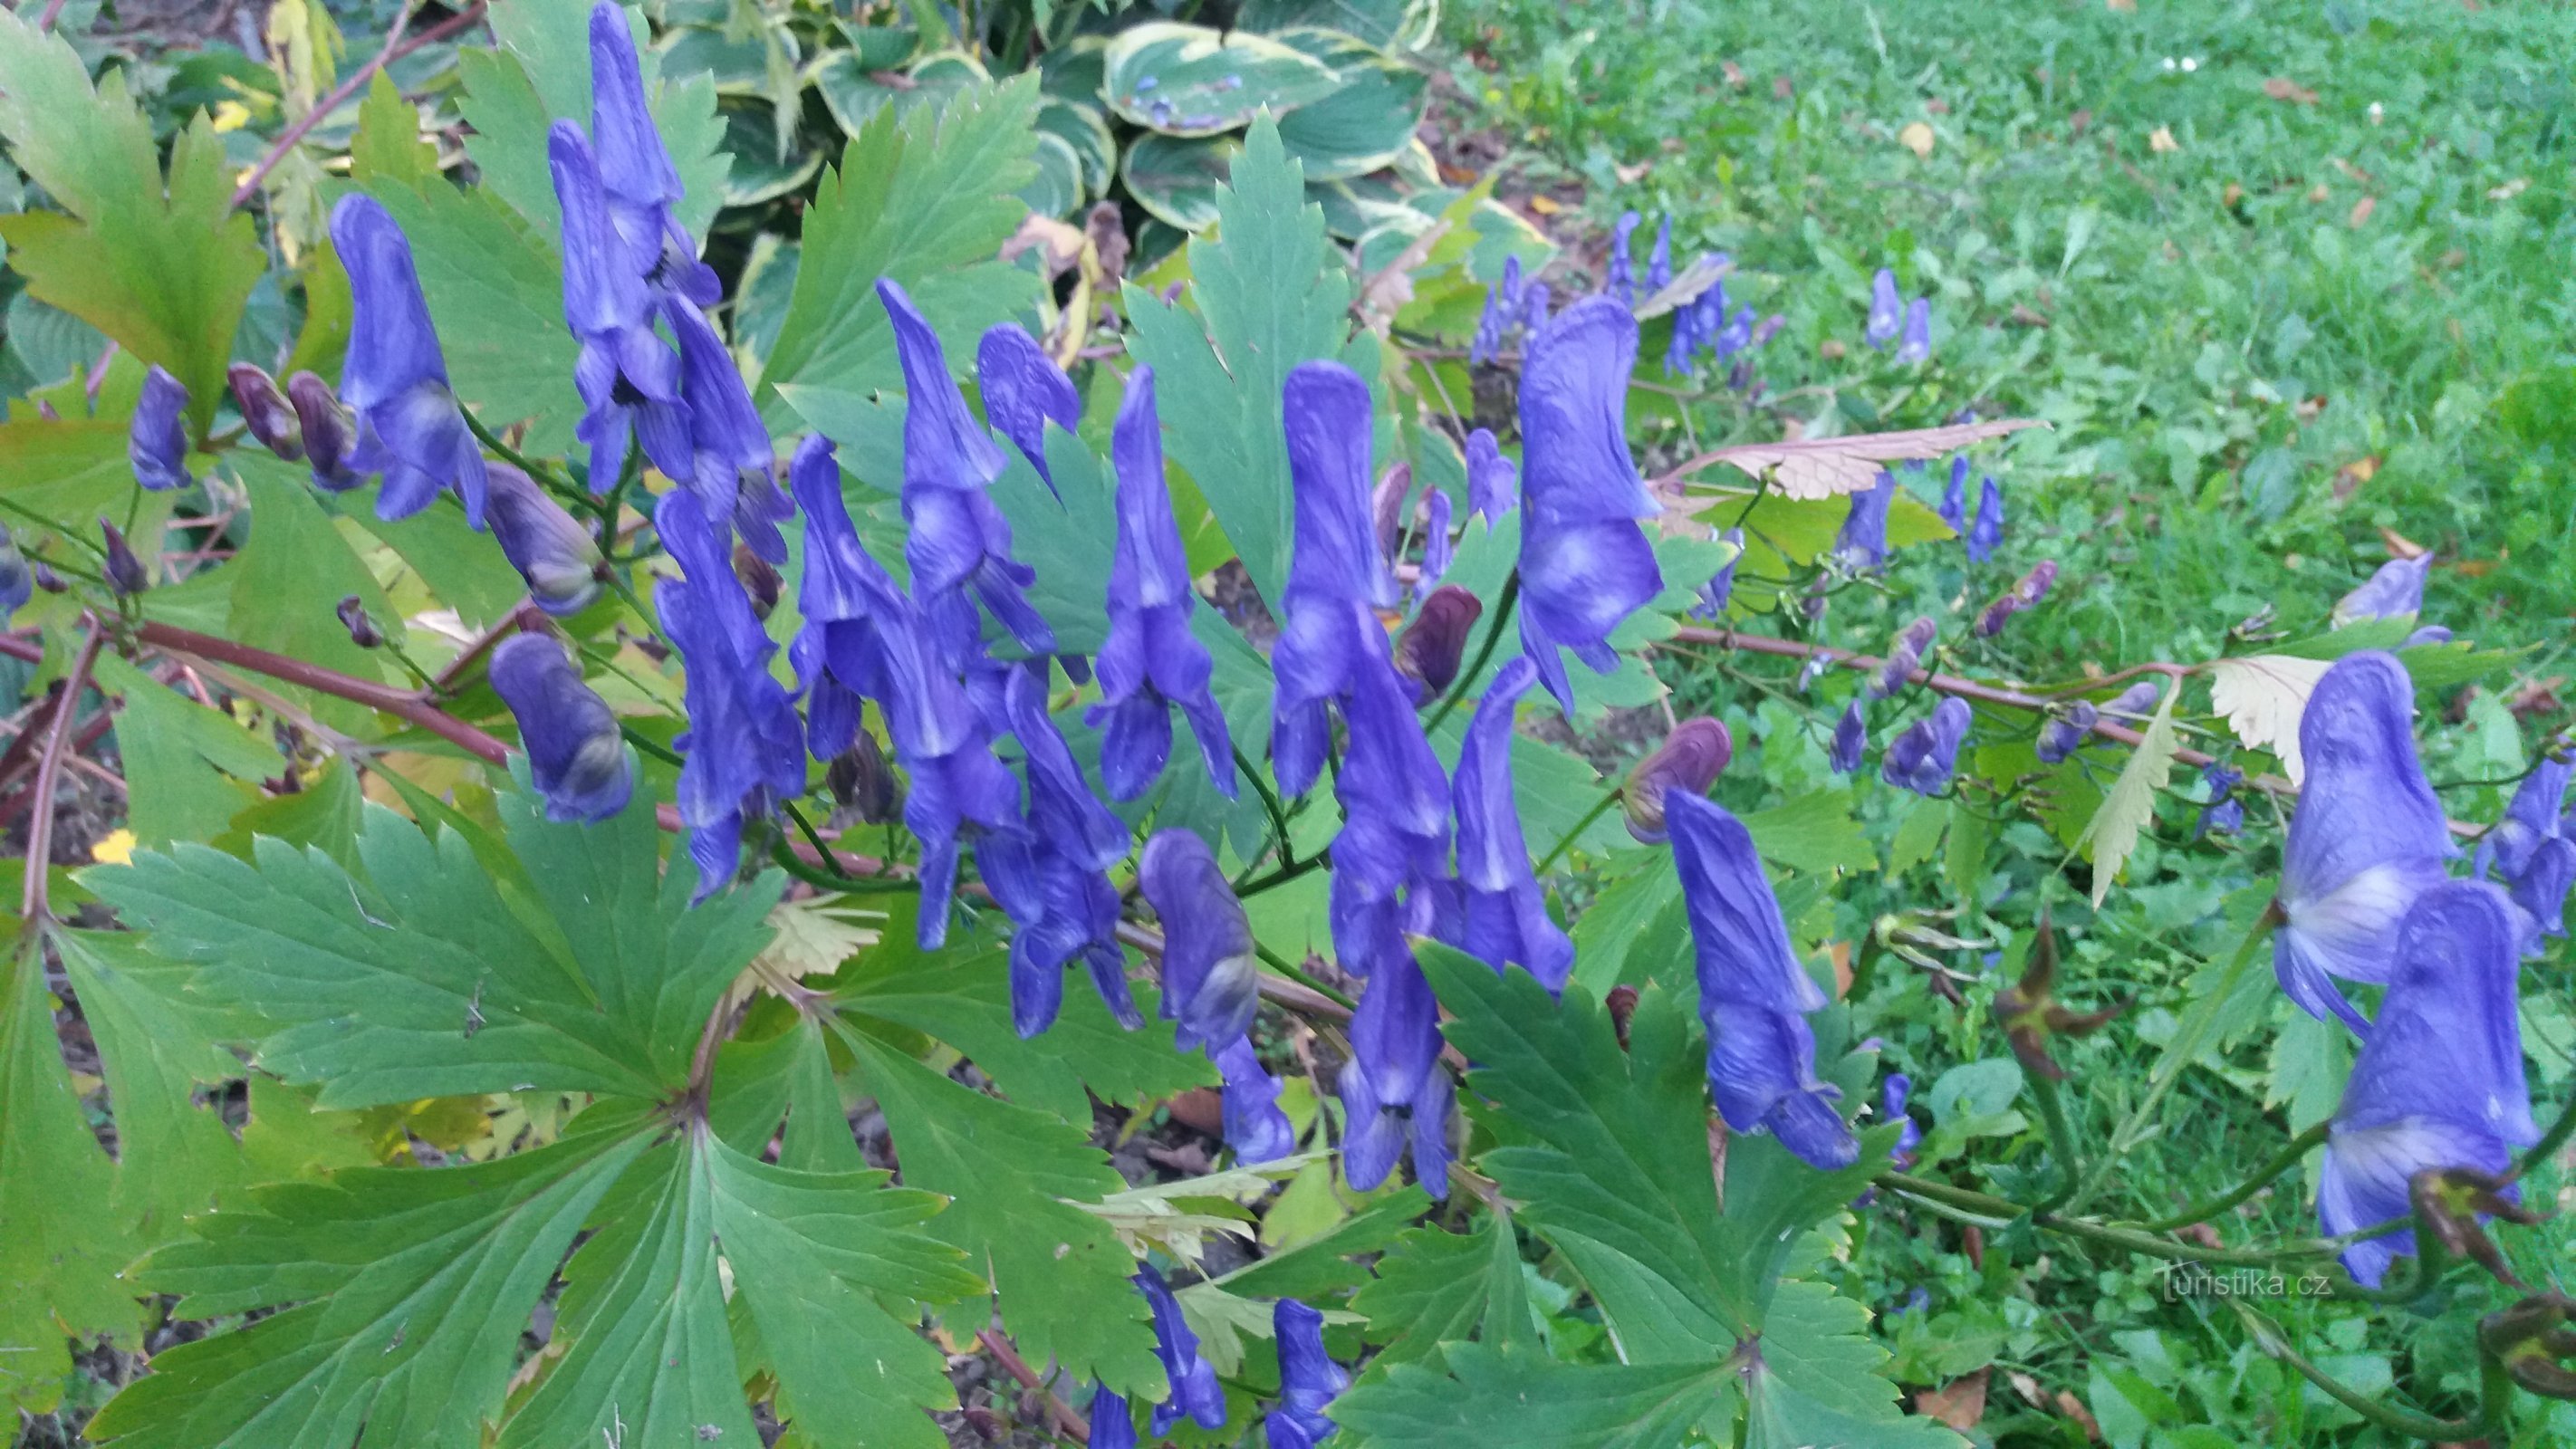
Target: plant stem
(1564, 843)
(396, 47)
(1279, 963)
(2414, 1425)
(34, 910)
(1270, 805)
(1484, 653)
(409, 706)
(2549, 1143)
(2282, 1161)
(2061, 1139)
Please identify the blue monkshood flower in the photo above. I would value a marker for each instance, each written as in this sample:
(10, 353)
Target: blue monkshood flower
(1335, 567)
(1112, 1423)
(2429, 634)
(744, 748)
(2396, 591)
(1434, 642)
(1892, 1095)
(1737, 335)
(267, 415)
(1862, 542)
(1493, 481)
(943, 736)
(2529, 848)
(1954, 497)
(2366, 839)
(328, 430)
(2136, 702)
(1917, 343)
(1151, 661)
(1052, 879)
(395, 378)
(1585, 564)
(960, 543)
(1534, 305)
(2067, 733)
(1851, 740)
(1690, 759)
(1923, 757)
(2024, 594)
(627, 376)
(124, 569)
(1886, 310)
(1622, 282)
(1754, 997)
(1720, 588)
(1502, 313)
(1659, 262)
(1987, 534)
(1023, 392)
(548, 546)
(1391, 859)
(17, 580)
(643, 184)
(1394, 1092)
(1195, 1392)
(1209, 956)
(2439, 1084)
(156, 442)
(733, 467)
(1503, 913)
(1904, 656)
(2222, 812)
(1309, 1380)
(1256, 1130)
(576, 756)
(845, 598)
(1439, 550)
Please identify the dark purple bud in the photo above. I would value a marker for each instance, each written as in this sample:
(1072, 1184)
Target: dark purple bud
(760, 580)
(157, 439)
(17, 581)
(1210, 962)
(1720, 588)
(1988, 533)
(1886, 310)
(2067, 733)
(1196, 1394)
(1923, 757)
(1493, 481)
(1505, 917)
(2031, 588)
(1851, 740)
(1768, 328)
(1023, 392)
(1431, 647)
(1690, 759)
(634, 164)
(2135, 702)
(329, 432)
(2396, 591)
(576, 756)
(1917, 343)
(1256, 1130)
(549, 548)
(353, 617)
(48, 580)
(2222, 813)
(1904, 656)
(2529, 849)
(125, 573)
(1862, 543)
(1309, 1380)
(863, 782)
(627, 376)
(266, 414)
(395, 379)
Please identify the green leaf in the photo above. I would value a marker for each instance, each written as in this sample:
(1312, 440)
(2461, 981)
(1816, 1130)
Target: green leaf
(1270, 294)
(173, 749)
(1321, 1267)
(1820, 1380)
(1188, 80)
(1369, 119)
(289, 579)
(1435, 1287)
(160, 263)
(388, 143)
(1525, 1397)
(1177, 179)
(415, 978)
(1918, 835)
(1814, 833)
(2131, 805)
(1637, 915)
(926, 199)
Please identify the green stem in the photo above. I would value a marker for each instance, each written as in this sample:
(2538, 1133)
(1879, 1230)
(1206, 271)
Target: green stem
(649, 745)
(2549, 1143)
(2282, 1161)
(2414, 1425)
(1599, 808)
(1279, 963)
(2061, 1140)
(1484, 653)
(1270, 806)
(1282, 876)
(516, 459)
(785, 859)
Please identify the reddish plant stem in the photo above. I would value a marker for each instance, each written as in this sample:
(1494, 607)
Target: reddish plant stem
(34, 911)
(30, 650)
(53, 12)
(1067, 1422)
(396, 47)
(513, 622)
(410, 706)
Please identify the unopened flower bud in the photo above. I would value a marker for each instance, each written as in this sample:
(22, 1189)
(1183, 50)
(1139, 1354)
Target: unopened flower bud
(759, 579)
(1430, 648)
(1690, 758)
(157, 439)
(49, 581)
(2031, 588)
(328, 431)
(2455, 1202)
(125, 572)
(2530, 1340)
(2030, 1014)
(2066, 734)
(862, 782)
(547, 545)
(1851, 740)
(266, 412)
(362, 630)
(1903, 658)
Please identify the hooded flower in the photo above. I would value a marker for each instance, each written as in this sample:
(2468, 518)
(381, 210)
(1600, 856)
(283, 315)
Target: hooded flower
(1754, 997)
(1394, 1091)
(1923, 757)
(2024, 594)
(1862, 543)
(1916, 345)
(1493, 481)
(1622, 282)
(2065, 734)
(744, 749)
(1987, 534)
(845, 598)
(395, 379)
(960, 544)
(2366, 839)
(627, 376)
(549, 548)
(1954, 497)
(1209, 972)
(1892, 1095)
(1720, 588)
(576, 756)
(157, 440)
(266, 414)
(1659, 262)
(1434, 643)
(328, 431)
(1111, 1422)
(945, 742)
(126, 573)
(1585, 565)
(643, 185)
(1023, 392)
(17, 581)
(1255, 1128)
(2396, 591)
(1690, 759)
(1391, 859)
(1502, 313)
(1309, 1380)
(1336, 573)
(1504, 913)
(1151, 661)
(2222, 812)
(1904, 656)
(2136, 702)
(1851, 740)
(2439, 1083)
(2529, 848)
(1886, 309)
(733, 469)
(1195, 1392)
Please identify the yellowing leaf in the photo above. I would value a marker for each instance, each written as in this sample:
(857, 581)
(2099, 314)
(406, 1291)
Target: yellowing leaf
(814, 937)
(1917, 138)
(2263, 696)
(2131, 805)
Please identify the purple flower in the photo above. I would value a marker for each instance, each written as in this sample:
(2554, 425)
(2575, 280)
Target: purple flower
(125, 571)
(549, 548)
(1904, 656)
(2529, 848)
(1988, 533)
(1501, 314)
(1493, 481)
(576, 756)
(2439, 1083)
(328, 430)
(2067, 733)
(1309, 1380)
(2135, 702)
(960, 542)
(395, 378)
(266, 414)
(1504, 913)
(17, 581)
(1210, 984)
(1851, 740)
(1195, 1391)
(733, 468)
(1954, 498)
(1659, 262)
(643, 185)
(1585, 564)
(1892, 1095)
(945, 742)
(1151, 660)
(1622, 282)
(627, 376)
(846, 599)
(1112, 1424)
(1434, 641)
(1690, 759)
(2026, 593)
(1862, 543)
(2366, 839)
(744, 749)
(1923, 757)
(1336, 572)
(2396, 591)
(1720, 588)
(1052, 879)
(156, 442)
(1023, 392)
(1917, 343)
(1438, 549)
(1534, 302)
(1886, 310)
(2429, 634)
(1754, 997)
(1394, 1091)
(1255, 1129)
(2222, 812)
(1391, 859)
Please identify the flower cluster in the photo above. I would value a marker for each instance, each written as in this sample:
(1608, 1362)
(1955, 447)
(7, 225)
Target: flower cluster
(1983, 535)
(1893, 319)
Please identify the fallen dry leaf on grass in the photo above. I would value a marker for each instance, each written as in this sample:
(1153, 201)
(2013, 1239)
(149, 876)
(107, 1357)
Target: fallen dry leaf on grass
(1917, 137)
(2161, 140)
(2282, 88)
(1959, 1404)
(2349, 478)
(2361, 211)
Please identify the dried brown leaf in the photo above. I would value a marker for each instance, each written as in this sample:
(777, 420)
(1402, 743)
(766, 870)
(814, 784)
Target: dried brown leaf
(2282, 88)
(1959, 1404)
(1831, 467)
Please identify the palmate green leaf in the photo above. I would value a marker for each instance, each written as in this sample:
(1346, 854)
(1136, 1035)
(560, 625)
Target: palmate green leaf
(1818, 1379)
(189, 769)
(1491, 1397)
(926, 198)
(288, 581)
(1270, 293)
(416, 979)
(1438, 1287)
(160, 263)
